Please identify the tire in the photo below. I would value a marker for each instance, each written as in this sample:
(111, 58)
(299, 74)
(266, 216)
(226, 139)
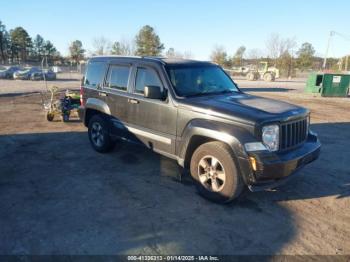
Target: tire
(99, 134)
(229, 183)
(50, 116)
(250, 77)
(65, 117)
(268, 77)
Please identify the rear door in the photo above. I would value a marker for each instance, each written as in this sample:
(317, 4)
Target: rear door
(115, 92)
(152, 121)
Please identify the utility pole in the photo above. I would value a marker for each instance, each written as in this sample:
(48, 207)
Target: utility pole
(346, 63)
(326, 55)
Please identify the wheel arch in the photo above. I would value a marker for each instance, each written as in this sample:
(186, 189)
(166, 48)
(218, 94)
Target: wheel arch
(235, 137)
(95, 106)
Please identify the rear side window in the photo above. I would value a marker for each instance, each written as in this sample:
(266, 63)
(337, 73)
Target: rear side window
(118, 77)
(146, 77)
(94, 74)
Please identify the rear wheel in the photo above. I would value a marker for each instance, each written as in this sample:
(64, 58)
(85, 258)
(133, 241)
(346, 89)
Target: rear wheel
(214, 169)
(99, 134)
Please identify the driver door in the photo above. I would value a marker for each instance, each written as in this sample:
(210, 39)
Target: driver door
(152, 121)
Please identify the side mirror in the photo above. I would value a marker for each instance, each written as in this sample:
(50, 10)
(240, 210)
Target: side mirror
(153, 92)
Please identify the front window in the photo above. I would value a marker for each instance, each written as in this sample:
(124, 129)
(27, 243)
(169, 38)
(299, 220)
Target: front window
(190, 80)
(146, 77)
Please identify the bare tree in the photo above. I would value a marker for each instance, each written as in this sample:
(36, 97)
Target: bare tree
(172, 53)
(254, 54)
(101, 46)
(219, 55)
(123, 47)
(187, 54)
(287, 45)
(281, 51)
(273, 46)
(277, 46)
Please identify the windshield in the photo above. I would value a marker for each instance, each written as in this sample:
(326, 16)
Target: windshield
(189, 80)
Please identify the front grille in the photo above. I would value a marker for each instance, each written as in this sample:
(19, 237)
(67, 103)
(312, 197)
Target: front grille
(293, 133)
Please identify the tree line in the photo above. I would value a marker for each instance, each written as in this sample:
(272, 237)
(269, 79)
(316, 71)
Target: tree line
(16, 46)
(280, 52)
(146, 43)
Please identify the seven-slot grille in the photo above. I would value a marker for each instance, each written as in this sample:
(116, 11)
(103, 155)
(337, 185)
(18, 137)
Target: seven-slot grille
(293, 133)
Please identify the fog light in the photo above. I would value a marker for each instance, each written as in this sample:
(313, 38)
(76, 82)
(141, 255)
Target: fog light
(253, 162)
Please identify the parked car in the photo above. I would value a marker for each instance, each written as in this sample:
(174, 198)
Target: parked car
(49, 75)
(26, 73)
(7, 72)
(194, 113)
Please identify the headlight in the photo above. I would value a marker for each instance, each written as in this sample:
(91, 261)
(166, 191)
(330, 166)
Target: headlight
(270, 137)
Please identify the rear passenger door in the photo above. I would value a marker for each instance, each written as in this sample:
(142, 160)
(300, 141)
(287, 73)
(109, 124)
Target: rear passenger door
(152, 121)
(115, 90)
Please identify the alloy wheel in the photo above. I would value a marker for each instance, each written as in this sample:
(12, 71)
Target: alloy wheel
(97, 134)
(211, 173)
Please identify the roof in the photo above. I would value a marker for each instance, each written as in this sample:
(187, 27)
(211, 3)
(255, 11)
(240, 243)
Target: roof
(161, 60)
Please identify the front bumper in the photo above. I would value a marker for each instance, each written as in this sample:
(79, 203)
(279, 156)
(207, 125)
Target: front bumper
(273, 169)
(21, 77)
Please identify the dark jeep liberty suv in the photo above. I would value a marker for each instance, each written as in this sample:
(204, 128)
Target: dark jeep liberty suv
(194, 113)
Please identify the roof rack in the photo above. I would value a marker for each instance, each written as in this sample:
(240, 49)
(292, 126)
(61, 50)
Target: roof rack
(155, 58)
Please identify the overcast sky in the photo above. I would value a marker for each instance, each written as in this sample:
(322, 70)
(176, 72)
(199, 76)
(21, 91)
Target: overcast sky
(195, 26)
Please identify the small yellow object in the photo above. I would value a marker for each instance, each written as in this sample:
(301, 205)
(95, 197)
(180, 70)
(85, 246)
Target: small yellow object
(253, 162)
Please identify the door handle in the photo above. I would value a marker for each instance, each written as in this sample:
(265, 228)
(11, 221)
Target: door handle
(133, 101)
(102, 94)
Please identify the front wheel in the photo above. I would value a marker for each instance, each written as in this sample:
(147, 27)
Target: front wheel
(215, 172)
(99, 134)
(50, 116)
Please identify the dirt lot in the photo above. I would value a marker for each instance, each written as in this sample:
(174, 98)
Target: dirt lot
(58, 196)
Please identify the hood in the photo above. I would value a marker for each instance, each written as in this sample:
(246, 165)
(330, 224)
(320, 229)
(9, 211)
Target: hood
(245, 108)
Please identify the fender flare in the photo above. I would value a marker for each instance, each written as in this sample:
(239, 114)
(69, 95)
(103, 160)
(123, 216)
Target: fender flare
(98, 105)
(234, 136)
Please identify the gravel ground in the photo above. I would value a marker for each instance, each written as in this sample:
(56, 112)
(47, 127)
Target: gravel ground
(58, 196)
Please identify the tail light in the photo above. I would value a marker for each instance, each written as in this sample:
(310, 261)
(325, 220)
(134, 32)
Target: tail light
(81, 95)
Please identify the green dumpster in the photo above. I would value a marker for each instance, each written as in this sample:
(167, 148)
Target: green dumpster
(328, 84)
